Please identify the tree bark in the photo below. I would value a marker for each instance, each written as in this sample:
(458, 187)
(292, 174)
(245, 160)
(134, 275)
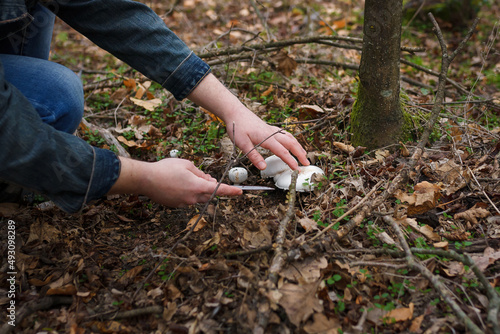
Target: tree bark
(377, 119)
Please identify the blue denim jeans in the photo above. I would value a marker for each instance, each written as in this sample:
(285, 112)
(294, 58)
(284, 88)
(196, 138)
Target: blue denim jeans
(55, 92)
(34, 154)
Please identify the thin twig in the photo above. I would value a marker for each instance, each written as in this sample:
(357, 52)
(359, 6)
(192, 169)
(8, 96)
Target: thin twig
(278, 259)
(445, 64)
(482, 190)
(353, 209)
(433, 279)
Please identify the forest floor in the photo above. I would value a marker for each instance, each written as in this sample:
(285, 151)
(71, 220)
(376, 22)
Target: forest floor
(112, 269)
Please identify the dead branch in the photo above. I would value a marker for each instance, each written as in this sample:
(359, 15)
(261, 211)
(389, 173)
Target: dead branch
(108, 137)
(262, 19)
(493, 297)
(433, 279)
(101, 85)
(445, 64)
(345, 214)
(156, 309)
(279, 257)
(289, 42)
(33, 306)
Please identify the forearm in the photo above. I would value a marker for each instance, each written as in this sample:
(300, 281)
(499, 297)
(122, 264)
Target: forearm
(212, 95)
(133, 177)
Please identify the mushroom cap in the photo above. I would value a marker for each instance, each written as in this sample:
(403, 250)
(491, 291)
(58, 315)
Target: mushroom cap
(274, 166)
(174, 153)
(238, 175)
(304, 179)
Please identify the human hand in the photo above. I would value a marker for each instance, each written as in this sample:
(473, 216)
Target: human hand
(171, 182)
(249, 129)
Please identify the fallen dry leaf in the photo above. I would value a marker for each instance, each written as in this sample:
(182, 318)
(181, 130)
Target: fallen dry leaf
(399, 314)
(343, 147)
(308, 269)
(149, 105)
(472, 214)
(424, 198)
(425, 230)
(286, 64)
(43, 231)
(300, 301)
(320, 323)
(489, 257)
(201, 223)
(308, 224)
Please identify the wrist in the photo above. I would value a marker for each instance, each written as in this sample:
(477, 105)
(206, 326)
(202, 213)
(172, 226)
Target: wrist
(133, 178)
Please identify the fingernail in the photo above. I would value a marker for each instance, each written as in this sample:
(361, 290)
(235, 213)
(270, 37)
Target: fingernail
(261, 165)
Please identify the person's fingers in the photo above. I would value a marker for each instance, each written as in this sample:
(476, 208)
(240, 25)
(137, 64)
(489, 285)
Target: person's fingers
(227, 190)
(291, 144)
(255, 157)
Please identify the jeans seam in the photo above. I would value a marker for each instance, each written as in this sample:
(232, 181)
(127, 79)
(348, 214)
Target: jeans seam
(23, 41)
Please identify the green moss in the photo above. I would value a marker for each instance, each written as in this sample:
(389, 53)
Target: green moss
(366, 126)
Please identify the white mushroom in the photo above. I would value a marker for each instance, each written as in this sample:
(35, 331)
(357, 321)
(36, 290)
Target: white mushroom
(238, 175)
(274, 166)
(282, 174)
(305, 181)
(175, 153)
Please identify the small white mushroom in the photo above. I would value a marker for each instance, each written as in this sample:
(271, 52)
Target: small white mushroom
(305, 181)
(175, 153)
(238, 175)
(282, 174)
(274, 166)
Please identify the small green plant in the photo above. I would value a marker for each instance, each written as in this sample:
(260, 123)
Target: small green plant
(332, 280)
(164, 274)
(117, 303)
(93, 138)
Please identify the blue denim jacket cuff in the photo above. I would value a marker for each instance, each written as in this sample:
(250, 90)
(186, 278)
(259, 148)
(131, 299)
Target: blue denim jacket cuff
(104, 174)
(186, 76)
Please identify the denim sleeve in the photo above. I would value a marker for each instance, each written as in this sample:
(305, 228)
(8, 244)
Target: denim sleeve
(132, 32)
(59, 165)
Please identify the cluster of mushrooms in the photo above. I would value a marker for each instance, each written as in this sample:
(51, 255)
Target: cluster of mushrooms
(282, 174)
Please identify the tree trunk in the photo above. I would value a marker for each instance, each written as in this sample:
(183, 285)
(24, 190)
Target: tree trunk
(377, 119)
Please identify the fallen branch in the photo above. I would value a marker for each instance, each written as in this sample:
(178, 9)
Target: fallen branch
(279, 257)
(445, 64)
(108, 137)
(290, 42)
(156, 309)
(33, 306)
(433, 279)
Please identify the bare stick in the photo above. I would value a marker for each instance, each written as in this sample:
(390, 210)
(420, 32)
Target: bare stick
(445, 64)
(262, 19)
(482, 190)
(108, 137)
(289, 42)
(278, 259)
(353, 209)
(438, 285)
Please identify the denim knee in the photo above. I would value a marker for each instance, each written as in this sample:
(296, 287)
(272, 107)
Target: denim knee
(68, 108)
(55, 91)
